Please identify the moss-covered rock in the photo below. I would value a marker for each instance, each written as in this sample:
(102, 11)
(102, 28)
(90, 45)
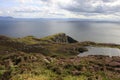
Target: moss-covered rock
(60, 38)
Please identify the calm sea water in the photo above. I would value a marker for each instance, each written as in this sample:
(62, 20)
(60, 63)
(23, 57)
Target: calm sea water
(80, 30)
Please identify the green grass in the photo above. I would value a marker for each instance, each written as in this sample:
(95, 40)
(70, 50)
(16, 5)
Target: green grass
(82, 77)
(1, 73)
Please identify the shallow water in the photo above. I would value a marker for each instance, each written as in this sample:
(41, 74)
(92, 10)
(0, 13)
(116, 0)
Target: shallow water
(101, 51)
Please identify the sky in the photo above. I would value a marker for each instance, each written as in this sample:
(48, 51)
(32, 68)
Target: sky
(83, 9)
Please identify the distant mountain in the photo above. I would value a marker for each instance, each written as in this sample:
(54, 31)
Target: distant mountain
(68, 19)
(5, 17)
(58, 19)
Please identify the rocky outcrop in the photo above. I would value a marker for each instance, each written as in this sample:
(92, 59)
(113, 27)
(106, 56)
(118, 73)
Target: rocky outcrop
(60, 38)
(4, 37)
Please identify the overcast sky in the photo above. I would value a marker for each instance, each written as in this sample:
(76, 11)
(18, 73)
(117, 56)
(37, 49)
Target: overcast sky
(83, 9)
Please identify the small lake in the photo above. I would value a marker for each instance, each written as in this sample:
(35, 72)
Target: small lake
(101, 51)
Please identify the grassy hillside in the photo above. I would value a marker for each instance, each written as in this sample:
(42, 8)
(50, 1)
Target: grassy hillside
(54, 58)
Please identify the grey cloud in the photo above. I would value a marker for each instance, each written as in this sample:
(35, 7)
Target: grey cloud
(79, 6)
(56, 14)
(32, 11)
(108, 0)
(45, 0)
(86, 6)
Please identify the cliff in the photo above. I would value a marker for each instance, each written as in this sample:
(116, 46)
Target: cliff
(60, 38)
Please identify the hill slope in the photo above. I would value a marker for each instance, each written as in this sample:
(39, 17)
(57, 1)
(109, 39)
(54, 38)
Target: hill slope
(54, 58)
